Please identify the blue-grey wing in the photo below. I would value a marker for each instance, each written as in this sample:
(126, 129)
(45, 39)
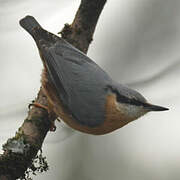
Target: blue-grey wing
(80, 83)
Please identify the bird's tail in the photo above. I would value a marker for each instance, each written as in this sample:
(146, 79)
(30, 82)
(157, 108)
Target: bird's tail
(30, 24)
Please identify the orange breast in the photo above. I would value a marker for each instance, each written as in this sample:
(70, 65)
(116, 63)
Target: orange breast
(114, 118)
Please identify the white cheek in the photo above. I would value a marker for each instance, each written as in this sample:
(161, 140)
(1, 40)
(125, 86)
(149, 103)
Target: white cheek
(131, 111)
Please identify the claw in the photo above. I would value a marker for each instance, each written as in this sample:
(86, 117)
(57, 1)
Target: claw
(52, 127)
(59, 119)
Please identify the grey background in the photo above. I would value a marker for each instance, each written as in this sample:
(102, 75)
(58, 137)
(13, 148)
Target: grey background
(137, 42)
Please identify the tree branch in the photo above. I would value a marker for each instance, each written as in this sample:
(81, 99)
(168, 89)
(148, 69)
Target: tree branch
(22, 149)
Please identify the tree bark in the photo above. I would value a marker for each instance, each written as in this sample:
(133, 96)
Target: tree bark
(22, 149)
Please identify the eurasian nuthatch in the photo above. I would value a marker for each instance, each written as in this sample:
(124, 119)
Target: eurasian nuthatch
(79, 92)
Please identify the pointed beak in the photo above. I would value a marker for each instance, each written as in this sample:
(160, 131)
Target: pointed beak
(151, 107)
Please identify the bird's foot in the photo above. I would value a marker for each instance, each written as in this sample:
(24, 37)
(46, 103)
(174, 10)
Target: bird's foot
(39, 106)
(50, 114)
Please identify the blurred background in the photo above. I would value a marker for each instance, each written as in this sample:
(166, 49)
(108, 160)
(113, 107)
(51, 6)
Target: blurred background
(138, 43)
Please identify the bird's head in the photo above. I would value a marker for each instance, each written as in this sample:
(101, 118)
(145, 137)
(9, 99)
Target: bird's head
(132, 104)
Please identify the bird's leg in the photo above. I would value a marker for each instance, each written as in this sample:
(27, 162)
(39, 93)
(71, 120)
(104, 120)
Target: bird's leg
(51, 114)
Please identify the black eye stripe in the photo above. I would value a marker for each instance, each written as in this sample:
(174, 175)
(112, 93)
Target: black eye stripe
(127, 100)
(123, 99)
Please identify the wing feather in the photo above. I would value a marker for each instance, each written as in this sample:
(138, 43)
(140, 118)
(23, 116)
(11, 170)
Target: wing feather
(80, 83)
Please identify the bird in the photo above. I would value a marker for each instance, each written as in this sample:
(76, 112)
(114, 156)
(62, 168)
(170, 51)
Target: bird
(79, 91)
